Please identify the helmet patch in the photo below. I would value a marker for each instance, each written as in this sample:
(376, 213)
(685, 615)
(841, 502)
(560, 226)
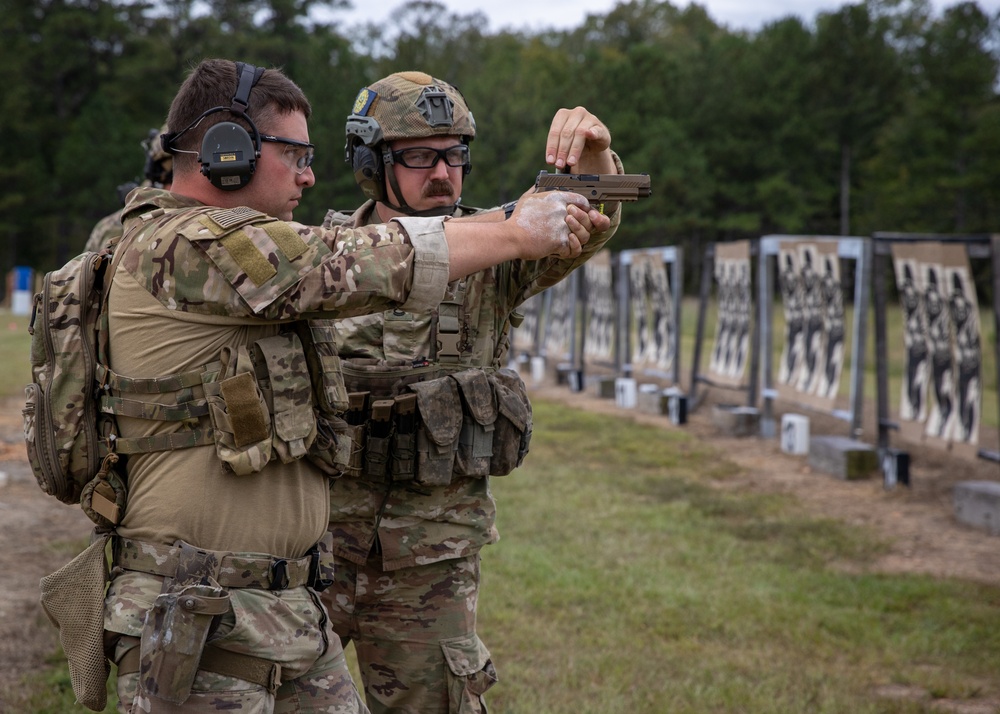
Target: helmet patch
(363, 102)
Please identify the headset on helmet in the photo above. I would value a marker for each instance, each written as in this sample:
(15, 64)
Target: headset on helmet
(401, 106)
(229, 152)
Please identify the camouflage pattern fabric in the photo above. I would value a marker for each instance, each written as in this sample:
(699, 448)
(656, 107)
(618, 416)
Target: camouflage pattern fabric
(107, 230)
(311, 269)
(196, 284)
(417, 535)
(314, 674)
(395, 103)
(414, 630)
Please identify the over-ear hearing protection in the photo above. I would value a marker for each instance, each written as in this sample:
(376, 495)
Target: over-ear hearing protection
(229, 152)
(369, 169)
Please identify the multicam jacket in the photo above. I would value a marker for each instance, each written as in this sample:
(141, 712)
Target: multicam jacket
(106, 230)
(198, 286)
(420, 524)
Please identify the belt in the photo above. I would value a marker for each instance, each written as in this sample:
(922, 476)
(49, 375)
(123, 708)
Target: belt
(233, 570)
(230, 664)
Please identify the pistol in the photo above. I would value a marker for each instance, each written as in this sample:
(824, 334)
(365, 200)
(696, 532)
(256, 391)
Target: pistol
(597, 188)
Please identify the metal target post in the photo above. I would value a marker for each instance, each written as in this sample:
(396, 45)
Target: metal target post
(671, 256)
(850, 247)
(978, 246)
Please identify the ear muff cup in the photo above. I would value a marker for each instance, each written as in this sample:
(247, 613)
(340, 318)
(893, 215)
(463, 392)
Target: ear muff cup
(228, 156)
(369, 171)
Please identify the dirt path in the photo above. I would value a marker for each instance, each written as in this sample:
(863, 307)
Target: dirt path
(39, 536)
(918, 523)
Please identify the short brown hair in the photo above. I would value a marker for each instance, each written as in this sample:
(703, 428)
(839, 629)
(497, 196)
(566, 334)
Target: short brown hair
(212, 84)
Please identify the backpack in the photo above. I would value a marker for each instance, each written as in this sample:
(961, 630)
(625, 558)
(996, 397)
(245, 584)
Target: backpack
(68, 342)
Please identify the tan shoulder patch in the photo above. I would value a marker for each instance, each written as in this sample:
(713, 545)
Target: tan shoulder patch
(285, 238)
(254, 263)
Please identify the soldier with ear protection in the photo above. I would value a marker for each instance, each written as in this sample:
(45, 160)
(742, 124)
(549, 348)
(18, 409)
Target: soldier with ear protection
(435, 414)
(227, 399)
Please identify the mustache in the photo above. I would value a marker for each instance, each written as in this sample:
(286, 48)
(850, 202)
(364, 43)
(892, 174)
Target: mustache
(439, 187)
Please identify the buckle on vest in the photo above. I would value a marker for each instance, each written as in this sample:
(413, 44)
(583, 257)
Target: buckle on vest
(279, 575)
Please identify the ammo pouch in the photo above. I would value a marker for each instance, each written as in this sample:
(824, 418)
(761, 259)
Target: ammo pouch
(441, 420)
(382, 425)
(512, 434)
(73, 600)
(288, 393)
(475, 443)
(173, 637)
(331, 450)
(266, 378)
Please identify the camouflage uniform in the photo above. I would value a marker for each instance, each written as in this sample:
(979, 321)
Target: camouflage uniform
(197, 285)
(407, 565)
(108, 229)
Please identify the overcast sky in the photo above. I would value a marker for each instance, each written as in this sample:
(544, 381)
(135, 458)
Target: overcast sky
(536, 14)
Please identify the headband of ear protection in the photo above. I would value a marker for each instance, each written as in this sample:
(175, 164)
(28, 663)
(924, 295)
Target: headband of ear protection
(229, 152)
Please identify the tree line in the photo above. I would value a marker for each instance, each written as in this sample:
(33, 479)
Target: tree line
(881, 115)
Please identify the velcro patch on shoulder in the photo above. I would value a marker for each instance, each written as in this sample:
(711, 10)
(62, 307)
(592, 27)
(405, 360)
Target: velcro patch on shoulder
(226, 219)
(285, 238)
(249, 257)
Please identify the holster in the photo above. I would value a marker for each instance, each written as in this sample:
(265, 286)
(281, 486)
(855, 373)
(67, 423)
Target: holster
(177, 626)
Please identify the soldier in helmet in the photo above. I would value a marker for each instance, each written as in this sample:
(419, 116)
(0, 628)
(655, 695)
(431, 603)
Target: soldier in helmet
(435, 414)
(226, 427)
(158, 172)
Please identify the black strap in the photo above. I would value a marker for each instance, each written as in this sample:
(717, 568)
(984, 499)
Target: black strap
(247, 78)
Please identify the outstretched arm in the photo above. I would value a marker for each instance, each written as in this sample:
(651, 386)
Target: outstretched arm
(543, 224)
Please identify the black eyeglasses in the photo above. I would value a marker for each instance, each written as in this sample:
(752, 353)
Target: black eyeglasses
(298, 155)
(424, 157)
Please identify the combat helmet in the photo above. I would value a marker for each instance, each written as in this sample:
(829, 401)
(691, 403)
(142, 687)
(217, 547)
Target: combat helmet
(403, 105)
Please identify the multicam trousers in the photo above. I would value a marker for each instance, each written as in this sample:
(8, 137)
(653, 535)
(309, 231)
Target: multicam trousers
(288, 627)
(414, 631)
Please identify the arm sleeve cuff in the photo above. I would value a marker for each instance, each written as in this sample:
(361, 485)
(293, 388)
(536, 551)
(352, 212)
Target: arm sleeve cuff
(430, 262)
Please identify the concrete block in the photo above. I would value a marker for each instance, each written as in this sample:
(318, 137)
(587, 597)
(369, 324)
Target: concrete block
(795, 434)
(604, 388)
(650, 399)
(842, 457)
(563, 372)
(734, 420)
(977, 504)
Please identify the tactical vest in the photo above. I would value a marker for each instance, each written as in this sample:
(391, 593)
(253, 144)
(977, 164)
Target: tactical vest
(281, 397)
(431, 419)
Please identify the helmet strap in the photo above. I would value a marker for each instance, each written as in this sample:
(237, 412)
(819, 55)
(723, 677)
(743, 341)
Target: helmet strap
(403, 208)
